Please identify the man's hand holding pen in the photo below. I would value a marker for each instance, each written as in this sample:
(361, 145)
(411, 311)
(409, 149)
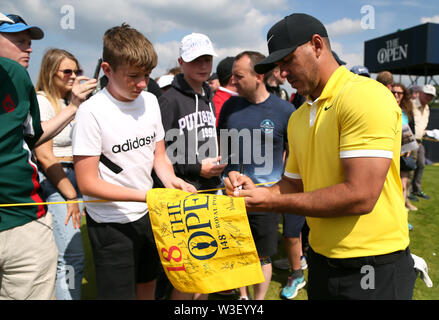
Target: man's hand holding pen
(256, 198)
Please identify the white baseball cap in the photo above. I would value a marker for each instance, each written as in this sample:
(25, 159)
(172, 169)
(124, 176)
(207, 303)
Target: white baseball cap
(165, 80)
(429, 89)
(195, 45)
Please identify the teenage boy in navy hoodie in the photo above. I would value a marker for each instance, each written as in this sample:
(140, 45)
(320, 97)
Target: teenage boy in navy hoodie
(188, 117)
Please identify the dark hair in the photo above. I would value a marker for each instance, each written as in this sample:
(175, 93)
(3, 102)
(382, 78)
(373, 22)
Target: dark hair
(175, 70)
(224, 70)
(385, 77)
(406, 104)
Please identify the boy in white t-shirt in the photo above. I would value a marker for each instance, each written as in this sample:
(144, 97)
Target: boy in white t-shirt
(117, 141)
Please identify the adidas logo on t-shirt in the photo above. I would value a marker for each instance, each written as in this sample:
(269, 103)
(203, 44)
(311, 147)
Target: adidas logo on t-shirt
(133, 144)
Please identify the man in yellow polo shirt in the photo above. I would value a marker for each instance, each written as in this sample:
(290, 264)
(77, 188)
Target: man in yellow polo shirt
(342, 171)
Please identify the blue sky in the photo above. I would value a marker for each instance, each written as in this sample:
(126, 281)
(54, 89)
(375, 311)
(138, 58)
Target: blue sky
(233, 26)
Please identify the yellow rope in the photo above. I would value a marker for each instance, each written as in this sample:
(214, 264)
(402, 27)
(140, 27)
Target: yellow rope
(44, 203)
(88, 201)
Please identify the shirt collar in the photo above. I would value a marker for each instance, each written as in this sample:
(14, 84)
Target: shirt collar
(330, 88)
(310, 102)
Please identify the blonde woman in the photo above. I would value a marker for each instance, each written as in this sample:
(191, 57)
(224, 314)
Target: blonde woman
(59, 86)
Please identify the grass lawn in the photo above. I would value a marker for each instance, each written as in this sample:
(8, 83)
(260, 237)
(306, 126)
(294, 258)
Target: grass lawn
(424, 242)
(424, 238)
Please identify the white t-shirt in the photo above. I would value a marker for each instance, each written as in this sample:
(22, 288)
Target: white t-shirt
(126, 134)
(62, 142)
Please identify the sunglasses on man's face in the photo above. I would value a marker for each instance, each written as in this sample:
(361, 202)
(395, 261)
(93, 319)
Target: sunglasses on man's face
(15, 18)
(68, 72)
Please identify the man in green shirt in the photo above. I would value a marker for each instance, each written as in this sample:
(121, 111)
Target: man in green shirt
(28, 256)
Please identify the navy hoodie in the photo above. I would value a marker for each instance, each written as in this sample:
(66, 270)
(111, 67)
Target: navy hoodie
(183, 111)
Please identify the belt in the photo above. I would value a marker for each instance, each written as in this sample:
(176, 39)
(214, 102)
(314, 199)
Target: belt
(359, 262)
(67, 165)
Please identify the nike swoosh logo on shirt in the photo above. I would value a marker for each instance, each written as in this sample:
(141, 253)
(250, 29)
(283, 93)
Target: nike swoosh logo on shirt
(327, 108)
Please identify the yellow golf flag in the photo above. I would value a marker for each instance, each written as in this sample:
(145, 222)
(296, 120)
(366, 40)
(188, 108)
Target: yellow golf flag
(204, 241)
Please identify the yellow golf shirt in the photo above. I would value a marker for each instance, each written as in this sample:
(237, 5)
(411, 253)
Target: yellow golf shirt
(354, 117)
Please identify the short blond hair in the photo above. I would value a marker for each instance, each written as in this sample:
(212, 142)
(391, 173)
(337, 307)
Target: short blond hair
(125, 45)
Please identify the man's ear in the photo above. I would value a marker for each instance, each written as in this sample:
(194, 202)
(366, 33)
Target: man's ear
(260, 77)
(106, 68)
(318, 44)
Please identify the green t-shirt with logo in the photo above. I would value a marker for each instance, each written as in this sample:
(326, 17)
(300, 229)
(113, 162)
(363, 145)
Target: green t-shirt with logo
(20, 129)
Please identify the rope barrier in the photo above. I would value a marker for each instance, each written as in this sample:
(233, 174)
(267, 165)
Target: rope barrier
(94, 201)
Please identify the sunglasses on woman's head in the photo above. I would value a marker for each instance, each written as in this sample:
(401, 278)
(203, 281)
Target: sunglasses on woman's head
(68, 72)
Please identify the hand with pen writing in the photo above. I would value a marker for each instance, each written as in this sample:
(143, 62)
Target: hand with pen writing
(239, 185)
